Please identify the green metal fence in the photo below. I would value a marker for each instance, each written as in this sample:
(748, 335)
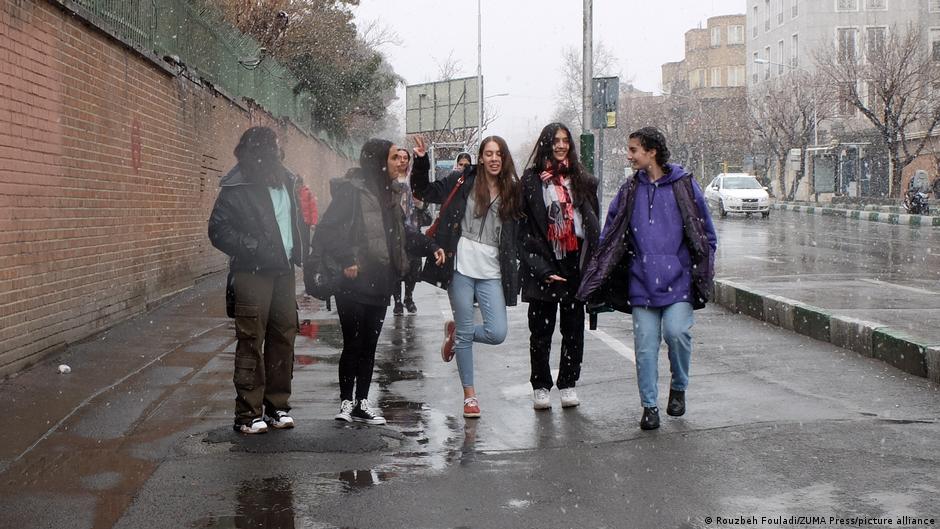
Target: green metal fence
(212, 48)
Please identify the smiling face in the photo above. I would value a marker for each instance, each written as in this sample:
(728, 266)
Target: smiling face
(492, 159)
(561, 144)
(639, 157)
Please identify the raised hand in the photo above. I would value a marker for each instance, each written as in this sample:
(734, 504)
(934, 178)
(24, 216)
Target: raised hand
(420, 148)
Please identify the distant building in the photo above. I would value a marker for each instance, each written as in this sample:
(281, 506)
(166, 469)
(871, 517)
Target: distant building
(706, 98)
(784, 35)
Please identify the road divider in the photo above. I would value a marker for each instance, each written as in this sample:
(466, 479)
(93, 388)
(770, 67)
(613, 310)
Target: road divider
(902, 219)
(870, 339)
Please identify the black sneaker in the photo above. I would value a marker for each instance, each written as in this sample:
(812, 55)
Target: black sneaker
(650, 420)
(363, 412)
(676, 406)
(399, 309)
(410, 305)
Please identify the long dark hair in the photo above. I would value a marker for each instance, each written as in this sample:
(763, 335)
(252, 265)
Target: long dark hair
(507, 181)
(259, 156)
(373, 161)
(652, 138)
(543, 156)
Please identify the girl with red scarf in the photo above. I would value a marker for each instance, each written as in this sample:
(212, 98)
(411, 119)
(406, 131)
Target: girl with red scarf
(559, 230)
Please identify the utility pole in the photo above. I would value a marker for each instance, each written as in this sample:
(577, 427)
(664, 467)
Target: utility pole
(587, 74)
(479, 71)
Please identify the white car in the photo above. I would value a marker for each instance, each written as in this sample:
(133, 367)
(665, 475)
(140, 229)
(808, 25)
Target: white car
(737, 193)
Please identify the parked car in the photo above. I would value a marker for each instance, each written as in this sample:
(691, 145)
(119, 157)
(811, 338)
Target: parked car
(737, 193)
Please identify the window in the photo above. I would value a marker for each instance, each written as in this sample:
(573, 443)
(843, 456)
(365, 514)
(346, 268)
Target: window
(767, 66)
(756, 18)
(876, 37)
(735, 76)
(795, 50)
(697, 78)
(754, 69)
(780, 58)
(845, 38)
(934, 6)
(846, 5)
(876, 5)
(766, 15)
(935, 44)
(735, 34)
(780, 12)
(846, 108)
(795, 9)
(716, 37)
(714, 78)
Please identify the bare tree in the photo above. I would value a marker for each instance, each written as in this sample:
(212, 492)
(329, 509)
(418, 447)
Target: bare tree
(568, 109)
(896, 87)
(783, 116)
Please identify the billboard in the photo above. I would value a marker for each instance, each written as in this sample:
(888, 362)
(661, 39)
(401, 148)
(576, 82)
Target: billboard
(442, 105)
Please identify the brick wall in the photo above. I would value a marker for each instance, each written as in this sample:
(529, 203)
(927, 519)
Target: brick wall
(109, 166)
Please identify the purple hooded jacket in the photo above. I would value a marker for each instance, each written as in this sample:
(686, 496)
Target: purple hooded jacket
(657, 247)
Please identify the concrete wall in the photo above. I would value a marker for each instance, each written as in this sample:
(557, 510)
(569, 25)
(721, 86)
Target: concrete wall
(109, 166)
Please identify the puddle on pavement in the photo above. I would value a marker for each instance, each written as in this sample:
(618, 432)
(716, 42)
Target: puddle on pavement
(356, 480)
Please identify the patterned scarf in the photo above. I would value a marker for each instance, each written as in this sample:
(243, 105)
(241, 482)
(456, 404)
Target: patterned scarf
(561, 232)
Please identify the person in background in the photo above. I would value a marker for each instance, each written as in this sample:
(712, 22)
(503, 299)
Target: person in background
(477, 230)
(262, 250)
(656, 260)
(559, 230)
(412, 219)
(364, 231)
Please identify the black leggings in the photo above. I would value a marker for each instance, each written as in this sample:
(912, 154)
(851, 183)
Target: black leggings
(361, 326)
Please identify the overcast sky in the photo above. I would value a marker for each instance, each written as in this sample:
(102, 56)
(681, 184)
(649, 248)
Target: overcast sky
(523, 42)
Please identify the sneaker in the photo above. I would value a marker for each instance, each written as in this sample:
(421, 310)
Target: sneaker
(363, 412)
(279, 421)
(540, 399)
(345, 411)
(447, 348)
(569, 398)
(255, 426)
(399, 309)
(650, 420)
(410, 305)
(676, 406)
(471, 408)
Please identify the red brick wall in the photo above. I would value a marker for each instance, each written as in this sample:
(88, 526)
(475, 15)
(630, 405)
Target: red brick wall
(109, 167)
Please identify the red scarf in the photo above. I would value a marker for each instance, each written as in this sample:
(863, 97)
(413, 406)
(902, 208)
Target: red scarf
(561, 213)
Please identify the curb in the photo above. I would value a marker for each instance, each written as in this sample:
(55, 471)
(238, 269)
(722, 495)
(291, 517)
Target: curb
(902, 219)
(869, 339)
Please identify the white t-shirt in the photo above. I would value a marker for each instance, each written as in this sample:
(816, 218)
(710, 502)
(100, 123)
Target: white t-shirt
(478, 247)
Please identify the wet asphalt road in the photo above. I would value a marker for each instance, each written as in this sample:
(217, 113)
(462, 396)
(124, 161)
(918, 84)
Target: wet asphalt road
(138, 436)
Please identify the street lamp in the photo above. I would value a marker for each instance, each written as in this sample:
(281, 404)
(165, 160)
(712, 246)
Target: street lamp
(758, 60)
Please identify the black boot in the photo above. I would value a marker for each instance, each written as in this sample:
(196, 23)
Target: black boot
(650, 420)
(676, 406)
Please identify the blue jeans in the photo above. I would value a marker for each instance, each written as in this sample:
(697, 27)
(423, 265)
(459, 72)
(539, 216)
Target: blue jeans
(650, 326)
(489, 294)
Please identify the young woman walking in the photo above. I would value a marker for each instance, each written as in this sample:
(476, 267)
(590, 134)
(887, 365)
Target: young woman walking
(477, 229)
(655, 260)
(558, 231)
(363, 230)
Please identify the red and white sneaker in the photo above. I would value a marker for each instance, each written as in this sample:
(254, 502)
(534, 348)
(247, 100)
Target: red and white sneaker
(447, 348)
(471, 408)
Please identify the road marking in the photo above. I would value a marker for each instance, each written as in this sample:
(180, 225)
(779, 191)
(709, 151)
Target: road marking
(614, 344)
(902, 287)
(766, 260)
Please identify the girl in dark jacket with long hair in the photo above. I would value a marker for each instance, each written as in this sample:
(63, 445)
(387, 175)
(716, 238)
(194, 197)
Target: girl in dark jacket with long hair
(478, 231)
(364, 231)
(559, 230)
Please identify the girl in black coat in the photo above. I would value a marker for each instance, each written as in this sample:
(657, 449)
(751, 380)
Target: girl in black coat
(364, 231)
(558, 232)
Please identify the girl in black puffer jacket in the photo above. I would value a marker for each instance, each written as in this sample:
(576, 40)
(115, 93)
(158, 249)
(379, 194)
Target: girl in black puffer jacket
(364, 231)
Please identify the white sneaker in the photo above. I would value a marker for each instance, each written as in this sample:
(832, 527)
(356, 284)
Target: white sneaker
(540, 399)
(345, 411)
(254, 427)
(569, 398)
(279, 421)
